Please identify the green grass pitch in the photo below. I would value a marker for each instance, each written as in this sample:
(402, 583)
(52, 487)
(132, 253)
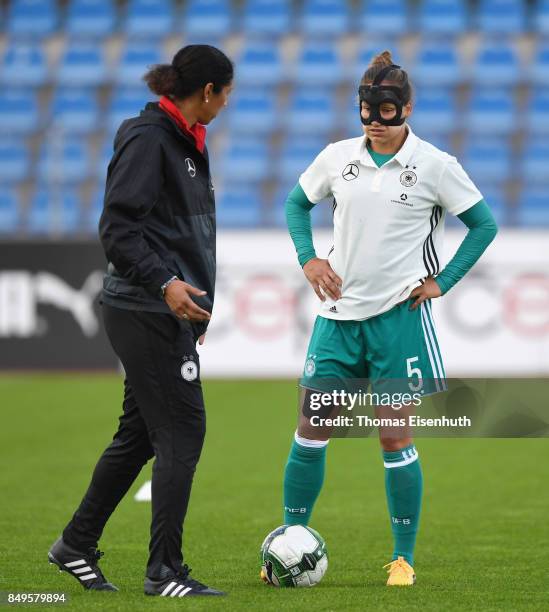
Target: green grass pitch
(484, 536)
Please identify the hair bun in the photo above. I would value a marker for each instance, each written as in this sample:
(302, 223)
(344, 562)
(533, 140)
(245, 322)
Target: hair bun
(382, 59)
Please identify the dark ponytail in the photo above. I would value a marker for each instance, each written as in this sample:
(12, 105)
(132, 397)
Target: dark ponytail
(192, 67)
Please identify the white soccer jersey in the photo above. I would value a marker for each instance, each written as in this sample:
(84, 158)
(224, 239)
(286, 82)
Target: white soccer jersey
(388, 221)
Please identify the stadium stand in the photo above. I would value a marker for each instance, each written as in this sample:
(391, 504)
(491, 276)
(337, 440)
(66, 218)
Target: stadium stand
(135, 55)
(319, 63)
(19, 112)
(435, 112)
(260, 64)
(149, 18)
(24, 65)
(497, 64)
(267, 17)
(384, 17)
(82, 65)
(533, 210)
(253, 112)
(93, 19)
(71, 73)
(487, 160)
(32, 18)
(75, 111)
(207, 19)
(325, 18)
(54, 211)
(14, 161)
(239, 206)
(437, 64)
(9, 211)
(442, 17)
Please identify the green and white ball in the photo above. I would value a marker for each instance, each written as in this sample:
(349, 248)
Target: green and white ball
(293, 556)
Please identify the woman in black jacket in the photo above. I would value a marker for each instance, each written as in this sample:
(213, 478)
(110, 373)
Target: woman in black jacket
(158, 233)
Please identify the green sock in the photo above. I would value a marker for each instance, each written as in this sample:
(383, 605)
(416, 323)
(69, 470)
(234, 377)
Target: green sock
(404, 486)
(302, 482)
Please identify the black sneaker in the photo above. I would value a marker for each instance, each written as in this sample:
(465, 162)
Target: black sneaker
(179, 585)
(83, 566)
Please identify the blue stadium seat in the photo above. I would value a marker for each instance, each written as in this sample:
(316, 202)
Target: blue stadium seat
(136, 58)
(319, 64)
(296, 155)
(149, 18)
(14, 161)
(19, 112)
(75, 111)
(82, 65)
(32, 18)
(126, 103)
(246, 160)
(253, 112)
(491, 112)
(537, 114)
(54, 211)
(533, 210)
(501, 16)
(321, 214)
(24, 64)
(64, 161)
(445, 17)
(434, 113)
(207, 18)
(267, 17)
(437, 64)
(312, 111)
(443, 142)
(540, 18)
(353, 124)
(496, 64)
(488, 160)
(325, 18)
(9, 210)
(260, 64)
(105, 154)
(239, 205)
(539, 71)
(535, 162)
(379, 17)
(93, 212)
(496, 198)
(90, 18)
(367, 50)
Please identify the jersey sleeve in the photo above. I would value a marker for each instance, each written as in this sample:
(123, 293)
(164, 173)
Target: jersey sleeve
(315, 181)
(456, 191)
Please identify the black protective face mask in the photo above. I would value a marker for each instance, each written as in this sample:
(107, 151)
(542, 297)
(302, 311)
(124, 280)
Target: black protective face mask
(375, 95)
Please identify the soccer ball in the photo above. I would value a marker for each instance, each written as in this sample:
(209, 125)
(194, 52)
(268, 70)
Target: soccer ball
(293, 556)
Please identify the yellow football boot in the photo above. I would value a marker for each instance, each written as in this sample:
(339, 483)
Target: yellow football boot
(401, 573)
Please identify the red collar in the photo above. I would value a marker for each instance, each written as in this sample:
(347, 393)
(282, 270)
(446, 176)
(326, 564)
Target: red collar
(197, 131)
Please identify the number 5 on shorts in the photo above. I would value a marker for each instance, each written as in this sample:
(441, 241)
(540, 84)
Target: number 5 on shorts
(414, 371)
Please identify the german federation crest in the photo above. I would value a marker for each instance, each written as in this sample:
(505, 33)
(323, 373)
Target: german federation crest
(310, 367)
(408, 178)
(189, 371)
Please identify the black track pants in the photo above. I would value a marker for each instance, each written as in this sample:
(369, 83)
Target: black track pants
(163, 416)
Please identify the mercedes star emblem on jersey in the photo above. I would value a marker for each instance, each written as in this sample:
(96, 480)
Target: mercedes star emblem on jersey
(350, 172)
(191, 168)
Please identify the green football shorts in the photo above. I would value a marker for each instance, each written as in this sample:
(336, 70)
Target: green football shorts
(398, 347)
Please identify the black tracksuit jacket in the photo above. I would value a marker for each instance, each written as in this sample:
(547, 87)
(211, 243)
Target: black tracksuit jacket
(158, 219)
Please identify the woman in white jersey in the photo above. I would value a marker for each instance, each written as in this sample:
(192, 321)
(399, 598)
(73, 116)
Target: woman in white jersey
(391, 192)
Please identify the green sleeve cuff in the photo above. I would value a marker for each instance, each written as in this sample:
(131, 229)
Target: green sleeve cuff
(298, 218)
(482, 230)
